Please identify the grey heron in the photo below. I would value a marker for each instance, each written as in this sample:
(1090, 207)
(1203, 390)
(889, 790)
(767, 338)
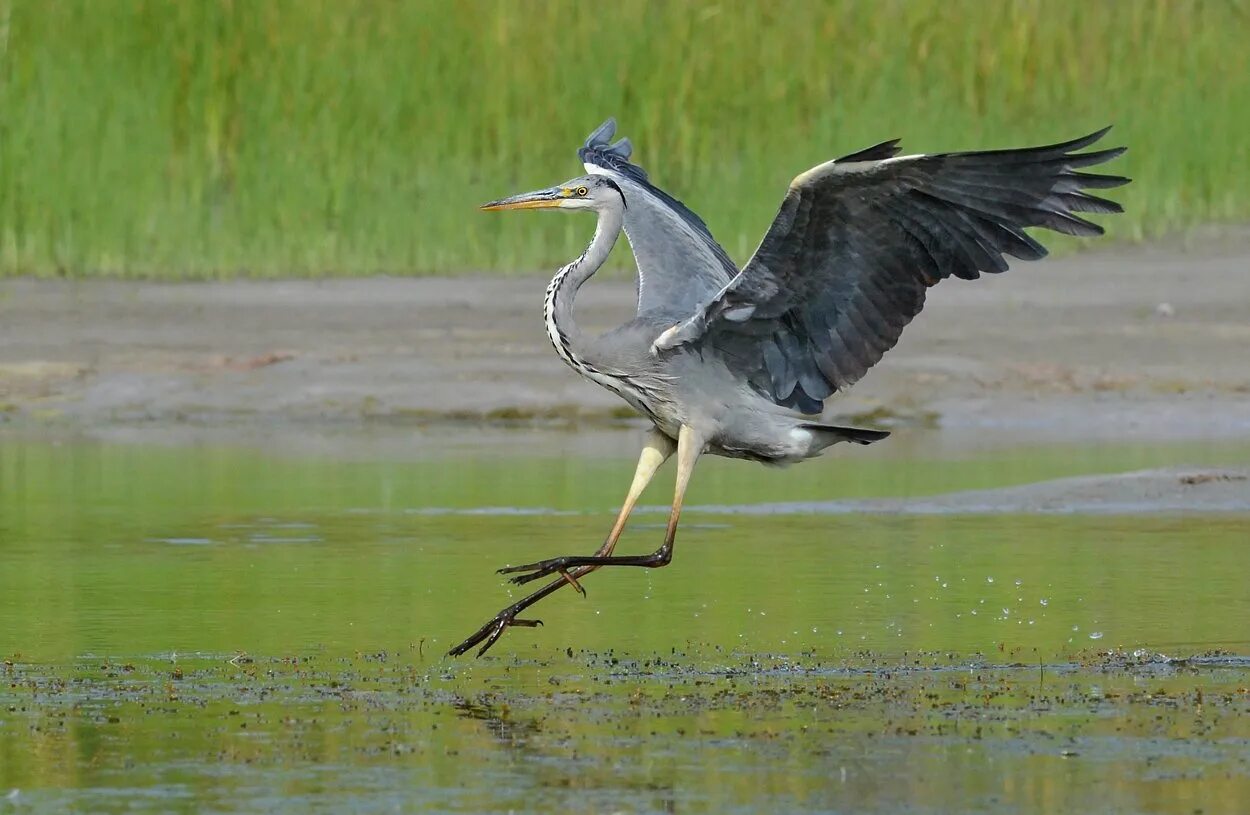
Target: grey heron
(739, 362)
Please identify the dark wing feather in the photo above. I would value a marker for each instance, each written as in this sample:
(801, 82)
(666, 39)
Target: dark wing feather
(857, 242)
(884, 150)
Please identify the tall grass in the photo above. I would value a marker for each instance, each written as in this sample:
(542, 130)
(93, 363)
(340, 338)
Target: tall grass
(272, 137)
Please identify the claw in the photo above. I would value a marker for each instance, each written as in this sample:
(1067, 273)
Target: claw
(498, 629)
(491, 632)
(495, 634)
(572, 581)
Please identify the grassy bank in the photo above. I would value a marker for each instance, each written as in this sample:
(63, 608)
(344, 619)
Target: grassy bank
(270, 137)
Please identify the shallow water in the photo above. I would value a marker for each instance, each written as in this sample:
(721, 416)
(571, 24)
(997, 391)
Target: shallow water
(212, 629)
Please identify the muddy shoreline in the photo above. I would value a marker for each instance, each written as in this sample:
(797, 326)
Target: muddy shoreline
(1141, 343)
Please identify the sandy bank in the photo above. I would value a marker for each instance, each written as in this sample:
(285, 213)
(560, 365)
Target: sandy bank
(1140, 342)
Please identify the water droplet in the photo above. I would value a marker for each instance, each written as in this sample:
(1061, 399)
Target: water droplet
(1018, 581)
(989, 580)
(1095, 635)
(1044, 601)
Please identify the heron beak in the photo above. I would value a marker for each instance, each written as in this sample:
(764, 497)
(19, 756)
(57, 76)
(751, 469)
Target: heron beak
(540, 199)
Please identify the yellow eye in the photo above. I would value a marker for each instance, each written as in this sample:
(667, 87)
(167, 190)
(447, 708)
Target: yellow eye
(582, 191)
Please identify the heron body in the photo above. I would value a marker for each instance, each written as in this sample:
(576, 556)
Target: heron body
(678, 386)
(739, 363)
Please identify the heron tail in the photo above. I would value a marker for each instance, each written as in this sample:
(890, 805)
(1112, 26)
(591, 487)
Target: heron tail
(827, 434)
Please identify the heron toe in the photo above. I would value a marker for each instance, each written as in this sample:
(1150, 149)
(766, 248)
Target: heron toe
(492, 631)
(555, 565)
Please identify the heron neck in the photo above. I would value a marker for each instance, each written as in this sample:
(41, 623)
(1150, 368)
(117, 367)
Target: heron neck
(558, 310)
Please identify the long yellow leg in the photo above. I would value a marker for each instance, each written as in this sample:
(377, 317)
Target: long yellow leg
(659, 448)
(689, 447)
(655, 452)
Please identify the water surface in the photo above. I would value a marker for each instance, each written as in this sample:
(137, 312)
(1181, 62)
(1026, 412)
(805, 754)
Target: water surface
(216, 629)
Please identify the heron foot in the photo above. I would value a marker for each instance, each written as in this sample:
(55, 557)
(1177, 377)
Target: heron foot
(561, 565)
(555, 565)
(492, 631)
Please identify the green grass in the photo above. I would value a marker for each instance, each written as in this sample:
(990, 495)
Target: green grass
(176, 138)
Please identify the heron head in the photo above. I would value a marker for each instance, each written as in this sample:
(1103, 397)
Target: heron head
(594, 192)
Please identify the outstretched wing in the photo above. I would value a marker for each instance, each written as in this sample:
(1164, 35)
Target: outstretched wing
(857, 242)
(680, 264)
